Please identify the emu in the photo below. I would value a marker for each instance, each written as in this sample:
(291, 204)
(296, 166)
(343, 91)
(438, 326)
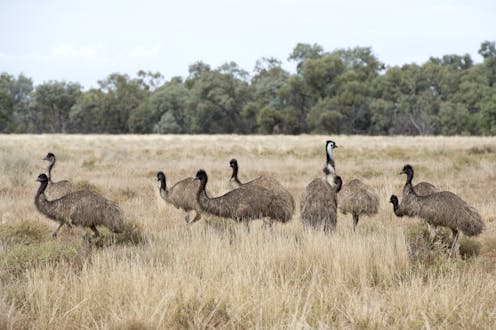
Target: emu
(281, 193)
(438, 209)
(182, 195)
(319, 202)
(248, 202)
(84, 208)
(358, 198)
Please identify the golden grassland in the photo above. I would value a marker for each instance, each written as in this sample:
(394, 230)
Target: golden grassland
(214, 274)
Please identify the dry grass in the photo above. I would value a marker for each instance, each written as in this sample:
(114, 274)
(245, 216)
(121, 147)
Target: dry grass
(213, 274)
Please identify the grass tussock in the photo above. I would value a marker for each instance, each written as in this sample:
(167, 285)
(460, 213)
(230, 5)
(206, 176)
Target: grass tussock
(162, 273)
(132, 234)
(20, 257)
(15, 168)
(27, 232)
(480, 150)
(469, 247)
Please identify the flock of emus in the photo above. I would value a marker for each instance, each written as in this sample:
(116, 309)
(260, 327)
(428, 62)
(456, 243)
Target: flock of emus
(265, 198)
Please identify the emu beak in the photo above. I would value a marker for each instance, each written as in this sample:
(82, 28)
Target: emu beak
(45, 158)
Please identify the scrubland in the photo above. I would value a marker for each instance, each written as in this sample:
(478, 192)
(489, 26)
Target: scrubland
(164, 273)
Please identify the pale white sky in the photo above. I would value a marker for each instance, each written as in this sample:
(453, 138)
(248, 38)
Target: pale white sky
(84, 41)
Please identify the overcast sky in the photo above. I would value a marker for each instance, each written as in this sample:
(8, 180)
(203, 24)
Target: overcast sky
(84, 41)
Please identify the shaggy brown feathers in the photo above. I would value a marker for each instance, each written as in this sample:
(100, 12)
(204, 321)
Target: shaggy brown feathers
(424, 188)
(182, 195)
(286, 200)
(58, 189)
(439, 209)
(248, 202)
(83, 208)
(358, 198)
(319, 203)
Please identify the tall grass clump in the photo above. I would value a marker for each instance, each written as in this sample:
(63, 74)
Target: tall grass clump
(16, 168)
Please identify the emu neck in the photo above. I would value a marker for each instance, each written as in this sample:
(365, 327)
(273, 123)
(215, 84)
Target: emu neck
(330, 159)
(215, 206)
(411, 204)
(330, 178)
(396, 208)
(163, 188)
(409, 177)
(234, 176)
(42, 204)
(49, 170)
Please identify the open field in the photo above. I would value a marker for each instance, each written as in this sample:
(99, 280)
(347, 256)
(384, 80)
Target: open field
(213, 274)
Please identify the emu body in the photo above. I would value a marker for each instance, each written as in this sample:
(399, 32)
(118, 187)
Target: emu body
(182, 195)
(319, 203)
(248, 202)
(358, 198)
(284, 197)
(84, 208)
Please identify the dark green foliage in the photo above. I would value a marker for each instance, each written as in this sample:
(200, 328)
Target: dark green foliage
(51, 106)
(469, 247)
(346, 91)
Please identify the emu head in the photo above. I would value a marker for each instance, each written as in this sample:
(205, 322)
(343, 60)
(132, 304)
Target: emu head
(42, 178)
(50, 157)
(233, 163)
(407, 169)
(160, 176)
(393, 200)
(202, 176)
(330, 144)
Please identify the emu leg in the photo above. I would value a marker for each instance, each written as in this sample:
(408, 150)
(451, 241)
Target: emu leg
(186, 218)
(432, 233)
(56, 231)
(454, 247)
(196, 218)
(93, 228)
(355, 220)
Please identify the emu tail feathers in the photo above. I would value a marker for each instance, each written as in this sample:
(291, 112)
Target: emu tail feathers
(472, 224)
(114, 219)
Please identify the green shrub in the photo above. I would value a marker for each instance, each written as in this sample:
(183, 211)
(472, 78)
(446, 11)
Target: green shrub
(20, 257)
(132, 233)
(469, 247)
(26, 232)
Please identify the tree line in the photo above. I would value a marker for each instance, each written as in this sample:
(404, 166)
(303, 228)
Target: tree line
(346, 91)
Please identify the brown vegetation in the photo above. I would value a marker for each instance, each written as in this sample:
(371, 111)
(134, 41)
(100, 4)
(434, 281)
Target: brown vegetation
(387, 275)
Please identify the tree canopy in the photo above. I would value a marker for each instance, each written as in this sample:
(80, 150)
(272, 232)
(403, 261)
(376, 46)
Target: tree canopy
(345, 91)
